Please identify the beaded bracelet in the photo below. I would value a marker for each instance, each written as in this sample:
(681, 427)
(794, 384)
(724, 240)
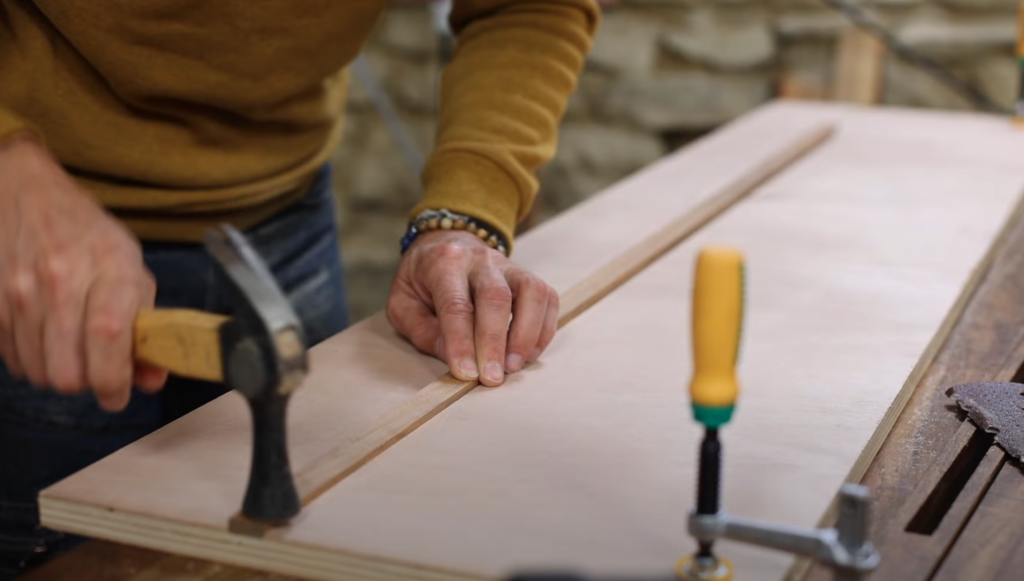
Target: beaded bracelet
(443, 219)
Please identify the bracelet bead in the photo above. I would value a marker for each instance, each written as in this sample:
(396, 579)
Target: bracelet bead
(444, 219)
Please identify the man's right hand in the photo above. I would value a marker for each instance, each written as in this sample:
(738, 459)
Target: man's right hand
(72, 280)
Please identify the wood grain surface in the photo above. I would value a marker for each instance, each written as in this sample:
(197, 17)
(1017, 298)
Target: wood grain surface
(182, 341)
(337, 464)
(585, 461)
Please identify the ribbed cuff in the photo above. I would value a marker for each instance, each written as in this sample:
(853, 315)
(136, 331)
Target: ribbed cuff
(472, 185)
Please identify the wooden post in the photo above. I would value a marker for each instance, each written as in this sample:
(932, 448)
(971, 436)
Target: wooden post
(858, 68)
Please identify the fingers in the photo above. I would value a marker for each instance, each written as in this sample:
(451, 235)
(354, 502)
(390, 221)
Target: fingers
(455, 313)
(64, 297)
(63, 331)
(472, 292)
(112, 305)
(412, 318)
(530, 311)
(492, 298)
(8, 351)
(148, 378)
(27, 324)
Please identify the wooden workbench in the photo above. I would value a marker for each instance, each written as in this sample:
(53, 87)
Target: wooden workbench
(949, 505)
(963, 353)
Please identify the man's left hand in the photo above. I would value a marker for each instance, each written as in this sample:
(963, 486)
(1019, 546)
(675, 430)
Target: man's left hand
(453, 298)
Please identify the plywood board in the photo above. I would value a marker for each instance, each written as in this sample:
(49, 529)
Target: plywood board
(586, 461)
(198, 466)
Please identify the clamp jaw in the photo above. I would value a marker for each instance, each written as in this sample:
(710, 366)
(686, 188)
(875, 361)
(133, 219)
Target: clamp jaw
(845, 548)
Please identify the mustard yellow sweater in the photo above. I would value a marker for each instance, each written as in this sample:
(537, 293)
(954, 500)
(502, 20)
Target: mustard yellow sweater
(178, 113)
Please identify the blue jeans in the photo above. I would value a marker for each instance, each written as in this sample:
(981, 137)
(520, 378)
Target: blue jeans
(45, 437)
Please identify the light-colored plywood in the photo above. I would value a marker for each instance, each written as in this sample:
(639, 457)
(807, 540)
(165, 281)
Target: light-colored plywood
(432, 399)
(585, 461)
(360, 377)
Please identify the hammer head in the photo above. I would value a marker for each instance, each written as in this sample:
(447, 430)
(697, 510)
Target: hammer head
(263, 350)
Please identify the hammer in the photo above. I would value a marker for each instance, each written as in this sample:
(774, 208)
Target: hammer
(259, 351)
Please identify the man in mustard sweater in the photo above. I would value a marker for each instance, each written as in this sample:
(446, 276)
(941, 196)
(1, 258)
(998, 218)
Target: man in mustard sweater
(127, 128)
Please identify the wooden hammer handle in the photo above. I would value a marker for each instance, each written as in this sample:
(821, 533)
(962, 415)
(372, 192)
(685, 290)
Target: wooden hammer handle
(183, 341)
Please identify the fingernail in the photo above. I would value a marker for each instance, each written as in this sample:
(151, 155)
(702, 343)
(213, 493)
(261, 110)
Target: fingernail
(114, 403)
(535, 354)
(494, 372)
(514, 362)
(468, 368)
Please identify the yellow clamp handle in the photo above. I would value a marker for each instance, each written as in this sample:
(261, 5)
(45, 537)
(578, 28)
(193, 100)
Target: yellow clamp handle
(717, 321)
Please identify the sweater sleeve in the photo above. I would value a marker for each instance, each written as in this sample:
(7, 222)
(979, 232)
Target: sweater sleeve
(502, 98)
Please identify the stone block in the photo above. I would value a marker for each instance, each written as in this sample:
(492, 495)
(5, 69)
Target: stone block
(370, 257)
(781, 5)
(998, 76)
(1008, 6)
(895, 4)
(724, 44)
(414, 86)
(591, 86)
(373, 175)
(650, 3)
(810, 25)
(957, 37)
(372, 238)
(618, 151)
(408, 31)
(590, 157)
(409, 83)
(683, 99)
(562, 188)
(909, 86)
(625, 43)
(808, 64)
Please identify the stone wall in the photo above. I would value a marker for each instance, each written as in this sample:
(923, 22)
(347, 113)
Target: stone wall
(661, 73)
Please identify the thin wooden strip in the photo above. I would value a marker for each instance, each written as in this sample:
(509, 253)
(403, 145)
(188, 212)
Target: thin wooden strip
(624, 267)
(401, 421)
(432, 399)
(801, 566)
